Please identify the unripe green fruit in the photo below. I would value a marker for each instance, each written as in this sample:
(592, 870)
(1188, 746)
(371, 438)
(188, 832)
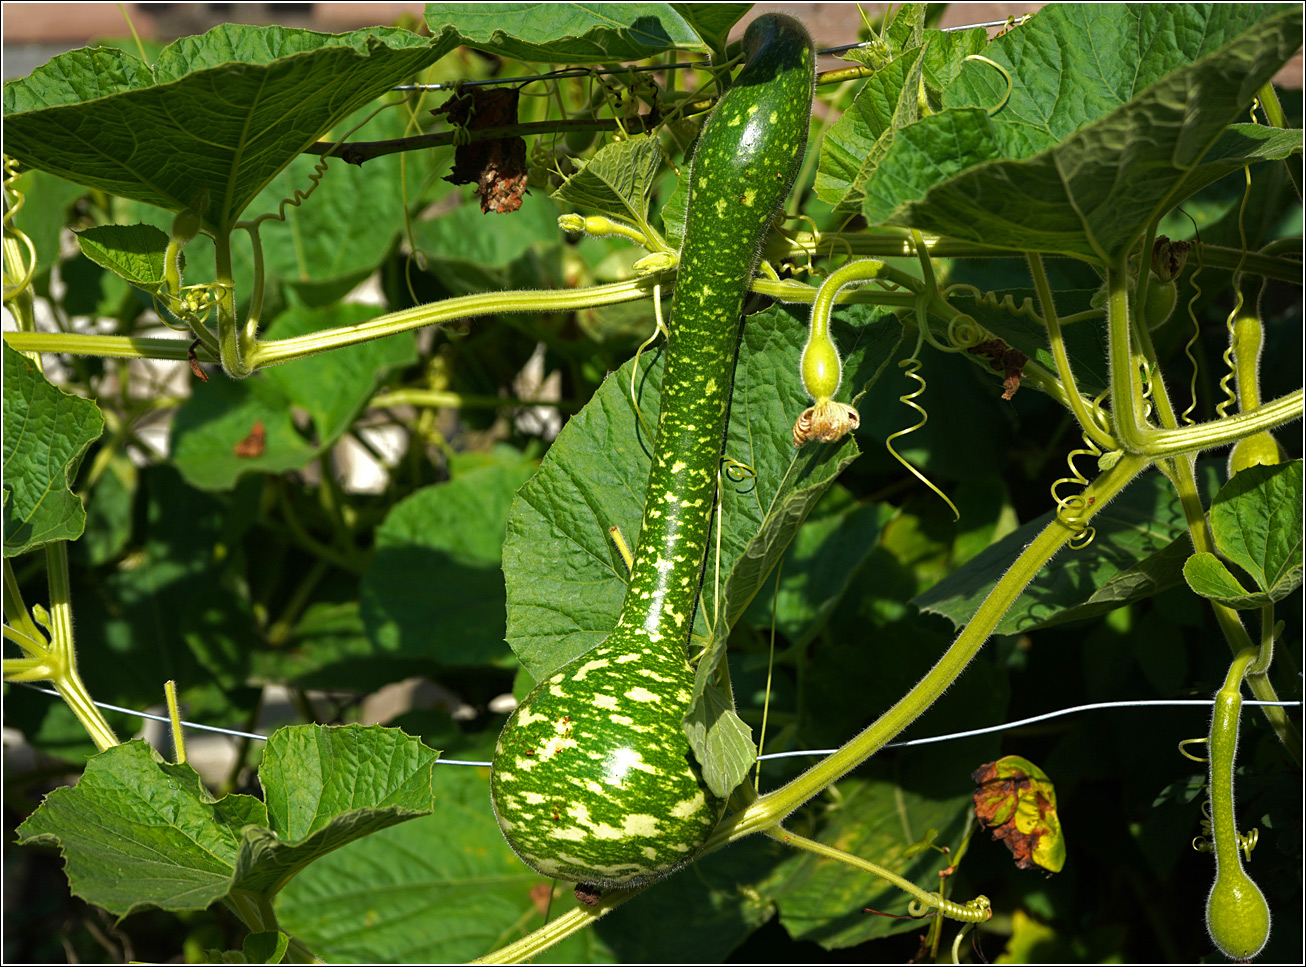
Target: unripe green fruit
(820, 368)
(1237, 916)
(1259, 450)
(186, 226)
(1160, 303)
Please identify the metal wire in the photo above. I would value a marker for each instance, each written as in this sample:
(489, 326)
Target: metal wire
(585, 72)
(1005, 726)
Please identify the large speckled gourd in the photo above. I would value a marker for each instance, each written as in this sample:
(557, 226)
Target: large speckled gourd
(593, 779)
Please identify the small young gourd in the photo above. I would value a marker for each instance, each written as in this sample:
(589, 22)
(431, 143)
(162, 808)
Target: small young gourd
(1237, 916)
(593, 779)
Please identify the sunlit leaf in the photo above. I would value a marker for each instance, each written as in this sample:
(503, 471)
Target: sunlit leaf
(46, 433)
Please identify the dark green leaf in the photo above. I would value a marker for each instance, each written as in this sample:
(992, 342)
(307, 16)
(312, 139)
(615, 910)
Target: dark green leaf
(214, 432)
(1118, 158)
(434, 588)
(573, 33)
(197, 121)
(46, 433)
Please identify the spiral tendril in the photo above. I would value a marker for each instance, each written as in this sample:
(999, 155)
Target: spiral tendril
(1070, 507)
(911, 368)
(1230, 364)
(660, 328)
(1005, 302)
(12, 289)
(1187, 414)
(1205, 844)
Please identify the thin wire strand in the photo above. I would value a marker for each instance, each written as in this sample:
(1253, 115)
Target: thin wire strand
(585, 72)
(235, 733)
(770, 755)
(1005, 726)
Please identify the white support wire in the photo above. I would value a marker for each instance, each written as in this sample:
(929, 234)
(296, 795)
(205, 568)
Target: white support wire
(1004, 727)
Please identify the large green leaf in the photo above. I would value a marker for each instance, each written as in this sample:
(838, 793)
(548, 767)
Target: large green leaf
(221, 113)
(567, 33)
(137, 831)
(1138, 550)
(434, 588)
(911, 64)
(564, 577)
(46, 431)
(1115, 152)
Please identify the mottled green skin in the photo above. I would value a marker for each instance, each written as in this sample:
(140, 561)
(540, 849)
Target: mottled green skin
(593, 778)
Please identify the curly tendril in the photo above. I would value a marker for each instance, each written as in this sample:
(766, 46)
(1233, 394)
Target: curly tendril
(1230, 364)
(1187, 414)
(1205, 842)
(992, 300)
(1069, 508)
(911, 369)
(660, 329)
(736, 471)
(1005, 76)
(28, 263)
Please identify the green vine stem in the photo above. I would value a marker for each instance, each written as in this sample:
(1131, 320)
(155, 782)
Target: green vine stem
(1179, 464)
(56, 661)
(774, 806)
(274, 351)
(1132, 430)
(235, 343)
(559, 929)
(1078, 405)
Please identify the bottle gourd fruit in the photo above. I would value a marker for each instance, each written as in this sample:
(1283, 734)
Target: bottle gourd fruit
(593, 779)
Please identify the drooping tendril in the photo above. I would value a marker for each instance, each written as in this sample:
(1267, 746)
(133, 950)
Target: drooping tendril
(1186, 415)
(911, 367)
(1231, 366)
